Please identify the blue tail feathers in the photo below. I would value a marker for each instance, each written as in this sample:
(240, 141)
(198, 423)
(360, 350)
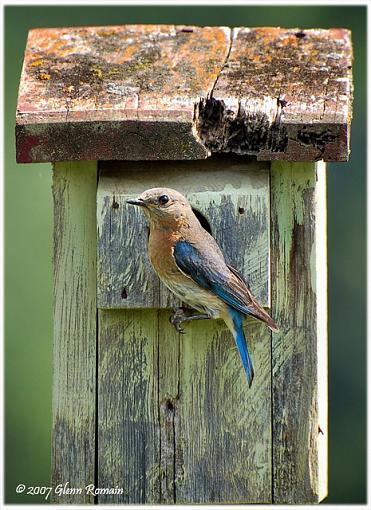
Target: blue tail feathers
(240, 339)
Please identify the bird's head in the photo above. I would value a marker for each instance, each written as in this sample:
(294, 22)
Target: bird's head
(163, 204)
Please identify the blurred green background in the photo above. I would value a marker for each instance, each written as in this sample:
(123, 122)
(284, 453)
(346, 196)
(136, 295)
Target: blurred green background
(28, 249)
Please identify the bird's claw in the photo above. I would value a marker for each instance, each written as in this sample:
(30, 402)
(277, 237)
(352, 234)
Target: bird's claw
(177, 319)
(176, 323)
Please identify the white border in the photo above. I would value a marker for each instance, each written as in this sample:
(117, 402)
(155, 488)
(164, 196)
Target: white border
(176, 4)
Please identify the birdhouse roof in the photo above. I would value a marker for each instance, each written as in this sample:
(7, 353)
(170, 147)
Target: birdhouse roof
(152, 92)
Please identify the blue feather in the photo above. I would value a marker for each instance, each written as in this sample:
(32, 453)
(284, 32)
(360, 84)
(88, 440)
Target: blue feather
(204, 272)
(229, 298)
(189, 261)
(240, 339)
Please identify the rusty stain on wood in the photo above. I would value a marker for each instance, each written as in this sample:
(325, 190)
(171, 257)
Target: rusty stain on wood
(232, 195)
(173, 92)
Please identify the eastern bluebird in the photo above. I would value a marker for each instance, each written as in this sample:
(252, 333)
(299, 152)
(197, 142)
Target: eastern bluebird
(190, 263)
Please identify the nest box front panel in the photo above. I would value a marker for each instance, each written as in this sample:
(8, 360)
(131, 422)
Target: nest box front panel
(229, 196)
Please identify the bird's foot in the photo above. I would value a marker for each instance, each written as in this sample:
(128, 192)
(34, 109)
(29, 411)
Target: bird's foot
(180, 315)
(185, 315)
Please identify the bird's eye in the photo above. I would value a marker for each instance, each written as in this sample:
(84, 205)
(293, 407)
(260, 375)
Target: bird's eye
(163, 199)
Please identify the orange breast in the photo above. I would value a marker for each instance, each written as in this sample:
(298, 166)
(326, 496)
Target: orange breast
(160, 250)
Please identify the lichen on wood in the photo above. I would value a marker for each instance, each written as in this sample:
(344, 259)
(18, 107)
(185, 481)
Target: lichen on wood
(119, 92)
(139, 92)
(282, 94)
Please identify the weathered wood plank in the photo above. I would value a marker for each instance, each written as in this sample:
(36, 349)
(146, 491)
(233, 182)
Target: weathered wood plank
(170, 388)
(299, 350)
(138, 388)
(128, 415)
(177, 423)
(109, 92)
(283, 94)
(224, 429)
(73, 438)
(215, 433)
(131, 92)
(232, 195)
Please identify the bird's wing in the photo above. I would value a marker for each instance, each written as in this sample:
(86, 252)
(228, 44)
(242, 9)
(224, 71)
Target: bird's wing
(210, 272)
(238, 275)
(257, 311)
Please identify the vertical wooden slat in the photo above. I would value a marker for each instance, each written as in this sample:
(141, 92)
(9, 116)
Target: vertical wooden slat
(128, 431)
(138, 390)
(177, 422)
(224, 429)
(322, 345)
(299, 349)
(73, 440)
(169, 388)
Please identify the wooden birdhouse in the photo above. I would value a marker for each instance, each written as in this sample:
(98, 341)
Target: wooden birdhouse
(242, 122)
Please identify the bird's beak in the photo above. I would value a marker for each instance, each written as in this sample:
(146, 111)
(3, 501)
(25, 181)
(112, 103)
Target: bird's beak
(136, 201)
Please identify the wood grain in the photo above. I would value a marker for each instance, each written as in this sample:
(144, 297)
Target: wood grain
(233, 196)
(128, 414)
(141, 92)
(283, 94)
(118, 92)
(224, 429)
(177, 423)
(174, 421)
(299, 350)
(73, 435)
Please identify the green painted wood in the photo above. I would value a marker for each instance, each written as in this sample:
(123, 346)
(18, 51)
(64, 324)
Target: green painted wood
(223, 428)
(176, 421)
(207, 437)
(73, 436)
(171, 458)
(299, 350)
(128, 415)
(232, 195)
